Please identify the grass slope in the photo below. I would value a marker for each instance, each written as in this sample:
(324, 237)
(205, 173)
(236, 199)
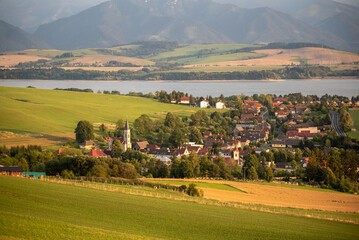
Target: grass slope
(355, 116)
(39, 110)
(32, 209)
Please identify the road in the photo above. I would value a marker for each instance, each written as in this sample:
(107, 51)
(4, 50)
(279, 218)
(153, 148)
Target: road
(334, 116)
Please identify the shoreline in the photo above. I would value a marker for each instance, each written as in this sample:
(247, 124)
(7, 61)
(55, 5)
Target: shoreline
(161, 81)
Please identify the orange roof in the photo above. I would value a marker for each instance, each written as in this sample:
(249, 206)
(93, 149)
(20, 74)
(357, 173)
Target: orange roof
(96, 153)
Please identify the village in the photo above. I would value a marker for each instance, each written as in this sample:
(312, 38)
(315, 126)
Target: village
(256, 131)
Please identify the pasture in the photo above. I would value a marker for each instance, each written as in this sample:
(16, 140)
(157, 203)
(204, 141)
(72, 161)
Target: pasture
(31, 209)
(54, 114)
(355, 116)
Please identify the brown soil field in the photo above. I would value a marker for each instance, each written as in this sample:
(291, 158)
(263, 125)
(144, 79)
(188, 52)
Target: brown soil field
(10, 139)
(279, 196)
(10, 60)
(278, 57)
(101, 59)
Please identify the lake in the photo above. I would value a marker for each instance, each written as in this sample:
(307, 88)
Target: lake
(342, 87)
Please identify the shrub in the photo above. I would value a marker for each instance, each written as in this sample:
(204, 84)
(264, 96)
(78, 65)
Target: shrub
(66, 174)
(193, 191)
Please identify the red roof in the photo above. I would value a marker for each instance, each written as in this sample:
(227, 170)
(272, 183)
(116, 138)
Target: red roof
(60, 151)
(279, 100)
(184, 99)
(96, 153)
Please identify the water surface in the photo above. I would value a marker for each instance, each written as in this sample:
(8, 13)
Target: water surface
(342, 87)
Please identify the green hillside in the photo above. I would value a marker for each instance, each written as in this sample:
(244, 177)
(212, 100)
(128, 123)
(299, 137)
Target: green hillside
(43, 111)
(355, 116)
(33, 209)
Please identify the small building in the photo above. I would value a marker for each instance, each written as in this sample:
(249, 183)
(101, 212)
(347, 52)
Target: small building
(185, 100)
(278, 144)
(37, 175)
(220, 105)
(204, 104)
(163, 154)
(97, 153)
(11, 171)
(140, 145)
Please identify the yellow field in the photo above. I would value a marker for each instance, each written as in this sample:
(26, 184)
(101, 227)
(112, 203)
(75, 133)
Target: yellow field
(280, 196)
(11, 60)
(279, 57)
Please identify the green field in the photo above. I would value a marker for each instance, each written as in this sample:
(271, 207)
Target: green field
(210, 53)
(31, 209)
(49, 111)
(355, 116)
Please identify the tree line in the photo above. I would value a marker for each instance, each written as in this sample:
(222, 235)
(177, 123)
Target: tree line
(297, 72)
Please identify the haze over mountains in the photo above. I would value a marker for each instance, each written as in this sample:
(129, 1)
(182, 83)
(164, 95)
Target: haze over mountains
(13, 39)
(188, 21)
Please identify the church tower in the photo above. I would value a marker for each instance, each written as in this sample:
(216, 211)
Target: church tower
(127, 137)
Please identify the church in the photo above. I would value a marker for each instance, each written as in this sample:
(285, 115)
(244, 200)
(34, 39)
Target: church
(125, 140)
(126, 143)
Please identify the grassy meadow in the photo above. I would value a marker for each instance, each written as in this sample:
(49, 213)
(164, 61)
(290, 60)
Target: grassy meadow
(43, 111)
(355, 116)
(31, 209)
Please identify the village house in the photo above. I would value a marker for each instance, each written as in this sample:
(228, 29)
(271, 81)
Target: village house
(163, 154)
(185, 100)
(97, 153)
(247, 118)
(237, 130)
(282, 114)
(220, 105)
(140, 145)
(204, 104)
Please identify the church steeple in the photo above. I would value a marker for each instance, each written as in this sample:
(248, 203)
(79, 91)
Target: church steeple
(127, 137)
(127, 126)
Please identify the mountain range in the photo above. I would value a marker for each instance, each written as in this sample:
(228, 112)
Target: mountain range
(67, 25)
(185, 21)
